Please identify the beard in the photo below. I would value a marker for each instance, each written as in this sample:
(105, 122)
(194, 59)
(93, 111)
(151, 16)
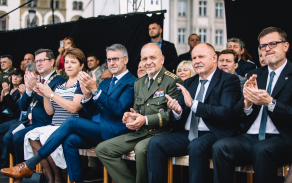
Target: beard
(155, 36)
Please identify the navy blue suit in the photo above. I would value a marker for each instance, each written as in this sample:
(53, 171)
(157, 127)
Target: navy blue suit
(78, 133)
(14, 143)
(217, 113)
(244, 67)
(245, 149)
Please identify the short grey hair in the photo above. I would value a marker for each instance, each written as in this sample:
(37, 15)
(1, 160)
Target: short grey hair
(104, 68)
(31, 67)
(118, 47)
(237, 40)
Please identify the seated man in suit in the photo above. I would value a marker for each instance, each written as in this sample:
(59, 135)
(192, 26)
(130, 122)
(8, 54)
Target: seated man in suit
(228, 62)
(149, 117)
(109, 102)
(32, 103)
(202, 115)
(244, 66)
(265, 112)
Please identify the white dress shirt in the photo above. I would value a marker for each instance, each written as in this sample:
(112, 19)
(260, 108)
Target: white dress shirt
(270, 127)
(201, 125)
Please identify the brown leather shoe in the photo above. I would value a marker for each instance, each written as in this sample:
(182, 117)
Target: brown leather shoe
(18, 171)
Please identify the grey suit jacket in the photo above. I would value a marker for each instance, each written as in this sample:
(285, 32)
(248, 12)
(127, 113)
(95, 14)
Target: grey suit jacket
(97, 75)
(242, 80)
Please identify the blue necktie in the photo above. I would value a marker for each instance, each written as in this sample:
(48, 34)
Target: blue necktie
(193, 133)
(262, 131)
(113, 83)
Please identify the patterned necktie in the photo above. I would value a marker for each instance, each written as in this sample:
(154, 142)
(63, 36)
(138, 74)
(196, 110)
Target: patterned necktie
(151, 82)
(262, 131)
(193, 133)
(113, 83)
(43, 81)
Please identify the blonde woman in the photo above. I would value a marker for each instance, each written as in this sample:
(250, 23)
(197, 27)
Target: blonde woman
(185, 70)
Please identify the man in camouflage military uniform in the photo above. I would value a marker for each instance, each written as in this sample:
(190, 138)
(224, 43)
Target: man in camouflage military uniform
(149, 117)
(7, 69)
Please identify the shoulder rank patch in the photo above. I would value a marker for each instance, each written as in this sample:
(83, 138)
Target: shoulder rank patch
(170, 74)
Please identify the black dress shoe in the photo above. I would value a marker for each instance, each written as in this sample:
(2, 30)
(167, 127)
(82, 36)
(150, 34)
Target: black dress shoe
(4, 164)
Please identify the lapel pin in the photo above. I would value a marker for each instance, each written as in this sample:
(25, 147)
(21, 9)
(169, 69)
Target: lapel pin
(286, 78)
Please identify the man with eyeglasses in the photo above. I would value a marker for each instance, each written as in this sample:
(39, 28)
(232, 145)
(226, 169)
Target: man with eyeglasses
(105, 104)
(148, 117)
(265, 116)
(244, 66)
(32, 103)
(7, 69)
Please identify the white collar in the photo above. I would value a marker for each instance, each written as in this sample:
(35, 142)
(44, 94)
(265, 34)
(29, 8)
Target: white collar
(279, 70)
(154, 76)
(95, 69)
(209, 77)
(121, 75)
(48, 76)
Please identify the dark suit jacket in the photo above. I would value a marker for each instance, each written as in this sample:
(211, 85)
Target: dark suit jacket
(217, 110)
(185, 56)
(244, 67)
(39, 115)
(169, 52)
(282, 114)
(112, 106)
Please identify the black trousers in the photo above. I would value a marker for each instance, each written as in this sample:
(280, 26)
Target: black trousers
(176, 144)
(265, 155)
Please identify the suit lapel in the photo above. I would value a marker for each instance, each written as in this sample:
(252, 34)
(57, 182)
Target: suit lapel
(284, 77)
(214, 81)
(193, 86)
(262, 79)
(120, 81)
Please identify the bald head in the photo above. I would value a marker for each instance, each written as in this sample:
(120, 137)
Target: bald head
(204, 59)
(29, 57)
(152, 58)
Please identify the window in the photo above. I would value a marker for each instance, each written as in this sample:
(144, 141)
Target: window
(151, 1)
(74, 5)
(203, 35)
(56, 4)
(156, 2)
(56, 20)
(3, 22)
(219, 37)
(33, 23)
(182, 8)
(181, 36)
(80, 5)
(203, 8)
(219, 10)
(3, 2)
(34, 3)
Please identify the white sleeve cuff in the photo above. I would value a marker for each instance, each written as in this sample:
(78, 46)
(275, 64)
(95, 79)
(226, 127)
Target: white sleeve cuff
(248, 111)
(84, 101)
(177, 116)
(29, 93)
(146, 123)
(96, 96)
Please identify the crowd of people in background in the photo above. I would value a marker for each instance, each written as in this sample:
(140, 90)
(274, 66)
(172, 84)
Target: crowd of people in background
(203, 103)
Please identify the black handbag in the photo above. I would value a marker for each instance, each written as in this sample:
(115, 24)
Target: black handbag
(37, 177)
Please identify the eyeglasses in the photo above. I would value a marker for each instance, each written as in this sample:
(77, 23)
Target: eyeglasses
(16, 76)
(270, 44)
(115, 59)
(41, 61)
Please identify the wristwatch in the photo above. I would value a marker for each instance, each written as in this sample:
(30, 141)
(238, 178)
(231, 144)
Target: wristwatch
(271, 105)
(95, 92)
(52, 95)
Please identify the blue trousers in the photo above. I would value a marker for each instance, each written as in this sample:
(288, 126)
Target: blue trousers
(75, 133)
(14, 143)
(176, 144)
(4, 128)
(246, 149)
